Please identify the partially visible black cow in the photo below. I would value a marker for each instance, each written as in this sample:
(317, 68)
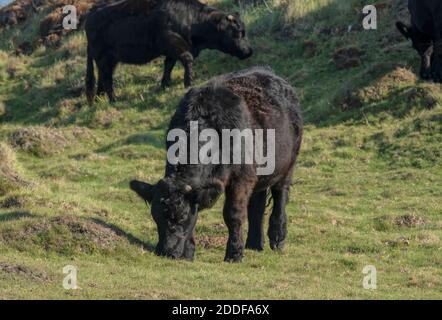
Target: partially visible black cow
(249, 99)
(425, 33)
(138, 31)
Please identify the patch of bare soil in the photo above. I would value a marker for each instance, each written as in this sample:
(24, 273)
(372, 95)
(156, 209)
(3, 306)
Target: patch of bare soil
(23, 271)
(206, 241)
(9, 178)
(82, 133)
(65, 235)
(99, 234)
(409, 221)
(44, 141)
(106, 118)
(40, 141)
(309, 48)
(51, 26)
(355, 95)
(423, 95)
(347, 58)
(400, 74)
(399, 242)
(18, 11)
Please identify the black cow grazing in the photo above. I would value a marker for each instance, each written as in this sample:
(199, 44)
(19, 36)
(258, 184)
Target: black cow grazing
(251, 99)
(138, 31)
(425, 33)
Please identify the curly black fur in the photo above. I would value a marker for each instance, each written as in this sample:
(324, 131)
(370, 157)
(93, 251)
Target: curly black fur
(254, 98)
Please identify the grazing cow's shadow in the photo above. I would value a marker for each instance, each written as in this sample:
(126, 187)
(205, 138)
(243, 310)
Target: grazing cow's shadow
(130, 237)
(148, 138)
(135, 139)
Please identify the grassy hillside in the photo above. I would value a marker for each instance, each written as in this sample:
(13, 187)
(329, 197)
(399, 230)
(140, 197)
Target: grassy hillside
(366, 191)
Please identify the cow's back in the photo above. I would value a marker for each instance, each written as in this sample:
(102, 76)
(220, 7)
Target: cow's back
(273, 104)
(254, 98)
(103, 15)
(423, 13)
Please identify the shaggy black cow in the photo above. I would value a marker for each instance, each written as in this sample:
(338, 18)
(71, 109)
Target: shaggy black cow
(138, 31)
(425, 33)
(250, 99)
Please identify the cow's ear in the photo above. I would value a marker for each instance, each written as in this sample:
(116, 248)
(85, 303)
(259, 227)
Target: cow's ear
(143, 189)
(206, 195)
(219, 20)
(404, 29)
(216, 17)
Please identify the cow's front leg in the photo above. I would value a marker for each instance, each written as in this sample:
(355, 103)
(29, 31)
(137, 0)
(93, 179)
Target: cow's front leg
(189, 248)
(426, 63)
(256, 210)
(235, 211)
(436, 68)
(169, 64)
(187, 60)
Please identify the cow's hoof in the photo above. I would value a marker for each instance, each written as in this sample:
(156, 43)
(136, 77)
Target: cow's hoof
(425, 75)
(189, 252)
(165, 84)
(233, 256)
(277, 245)
(437, 79)
(436, 74)
(254, 245)
(233, 259)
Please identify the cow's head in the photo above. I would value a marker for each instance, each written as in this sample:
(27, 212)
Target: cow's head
(174, 208)
(419, 43)
(231, 35)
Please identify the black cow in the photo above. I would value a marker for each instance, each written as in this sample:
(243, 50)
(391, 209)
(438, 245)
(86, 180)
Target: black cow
(425, 33)
(138, 31)
(251, 99)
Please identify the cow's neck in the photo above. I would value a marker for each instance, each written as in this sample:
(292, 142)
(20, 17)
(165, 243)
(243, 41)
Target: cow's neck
(203, 32)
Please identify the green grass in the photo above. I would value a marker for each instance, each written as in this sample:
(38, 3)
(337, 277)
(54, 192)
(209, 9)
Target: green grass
(366, 191)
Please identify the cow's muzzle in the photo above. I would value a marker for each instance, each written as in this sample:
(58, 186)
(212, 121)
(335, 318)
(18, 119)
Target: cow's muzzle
(246, 54)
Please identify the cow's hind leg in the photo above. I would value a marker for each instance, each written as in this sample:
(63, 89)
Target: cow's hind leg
(256, 210)
(169, 64)
(278, 219)
(436, 68)
(100, 88)
(106, 68)
(177, 48)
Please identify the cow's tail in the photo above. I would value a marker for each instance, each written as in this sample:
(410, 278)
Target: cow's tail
(90, 77)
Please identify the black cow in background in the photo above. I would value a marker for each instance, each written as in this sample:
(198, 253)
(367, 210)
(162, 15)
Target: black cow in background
(138, 31)
(425, 33)
(251, 99)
